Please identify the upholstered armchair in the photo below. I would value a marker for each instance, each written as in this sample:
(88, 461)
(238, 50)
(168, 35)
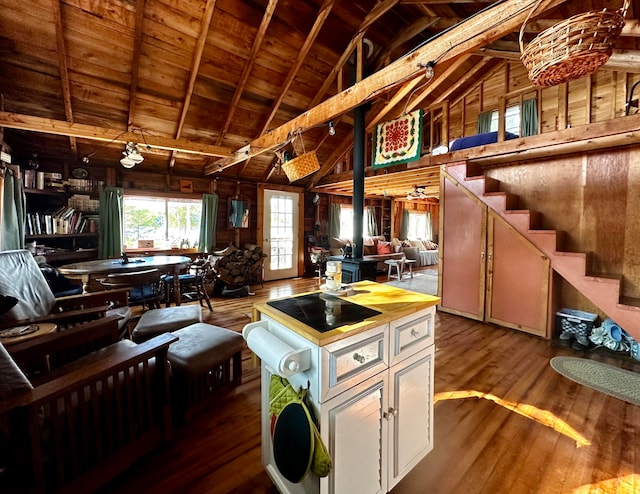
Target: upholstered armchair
(22, 281)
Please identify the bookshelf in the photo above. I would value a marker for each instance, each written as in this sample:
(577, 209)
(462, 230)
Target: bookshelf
(62, 223)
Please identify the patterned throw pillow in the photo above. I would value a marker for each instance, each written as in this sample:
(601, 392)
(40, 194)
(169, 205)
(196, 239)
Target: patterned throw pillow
(406, 243)
(418, 244)
(430, 245)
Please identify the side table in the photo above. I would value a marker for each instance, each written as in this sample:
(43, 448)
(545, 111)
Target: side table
(399, 264)
(25, 332)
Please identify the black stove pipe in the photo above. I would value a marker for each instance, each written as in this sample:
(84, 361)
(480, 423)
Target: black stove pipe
(358, 178)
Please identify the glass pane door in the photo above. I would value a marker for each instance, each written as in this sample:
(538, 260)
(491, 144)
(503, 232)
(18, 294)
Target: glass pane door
(281, 229)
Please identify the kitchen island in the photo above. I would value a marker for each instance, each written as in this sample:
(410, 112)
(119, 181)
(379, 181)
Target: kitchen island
(367, 360)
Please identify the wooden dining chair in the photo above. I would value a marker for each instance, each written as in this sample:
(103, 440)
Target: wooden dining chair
(192, 284)
(145, 286)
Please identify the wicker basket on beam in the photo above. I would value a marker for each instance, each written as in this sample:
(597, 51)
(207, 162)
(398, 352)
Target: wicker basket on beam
(301, 166)
(573, 48)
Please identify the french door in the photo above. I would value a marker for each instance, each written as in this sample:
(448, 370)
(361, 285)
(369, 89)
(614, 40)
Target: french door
(280, 233)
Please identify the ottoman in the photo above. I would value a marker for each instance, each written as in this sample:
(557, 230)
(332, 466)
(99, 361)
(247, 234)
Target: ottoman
(205, 362)
(158, 321)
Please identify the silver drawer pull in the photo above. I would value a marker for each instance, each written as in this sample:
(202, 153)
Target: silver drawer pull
(415, 333)
(359, 358)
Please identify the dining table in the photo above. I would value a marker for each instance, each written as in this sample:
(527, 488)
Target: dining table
(88, 270)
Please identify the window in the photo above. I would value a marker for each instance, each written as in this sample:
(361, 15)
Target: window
(511, 120)
(167, 222)
(346, 222)
(419, 225)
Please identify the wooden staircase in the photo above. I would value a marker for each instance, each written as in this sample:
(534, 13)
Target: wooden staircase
(602, 291)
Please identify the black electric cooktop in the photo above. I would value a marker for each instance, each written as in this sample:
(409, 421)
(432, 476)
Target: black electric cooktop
(323, 312)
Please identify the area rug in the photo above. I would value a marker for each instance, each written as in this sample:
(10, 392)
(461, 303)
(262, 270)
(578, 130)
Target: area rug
(616, 382)
(421, 282)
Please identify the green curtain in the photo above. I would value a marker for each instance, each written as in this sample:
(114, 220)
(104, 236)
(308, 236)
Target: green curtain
(370, 221)
(404, 225)
(529, 117)
(111, 211)
(334, 220)
(13, 211)
(484, 122)
(208, 222)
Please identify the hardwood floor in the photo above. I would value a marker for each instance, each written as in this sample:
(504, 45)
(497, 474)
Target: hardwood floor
(505, 422)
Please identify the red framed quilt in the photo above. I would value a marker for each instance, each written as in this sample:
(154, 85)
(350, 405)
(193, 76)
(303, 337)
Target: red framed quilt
(398, 141)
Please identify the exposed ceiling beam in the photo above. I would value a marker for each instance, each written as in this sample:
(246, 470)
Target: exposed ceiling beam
(195, 67)
(60, 127)
(416, 27)
(325, 9)
(479, 30)
(248, 66)
(64, 70)
(442, 78)
(394, 101)
(135, 62)
(302, 54)
(339, 151)
(379, 10)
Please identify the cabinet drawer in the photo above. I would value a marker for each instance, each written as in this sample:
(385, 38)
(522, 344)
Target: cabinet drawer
(411, 334)
(350, 361)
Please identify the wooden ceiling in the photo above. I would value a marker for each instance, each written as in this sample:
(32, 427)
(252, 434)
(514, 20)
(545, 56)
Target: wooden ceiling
(199, 80)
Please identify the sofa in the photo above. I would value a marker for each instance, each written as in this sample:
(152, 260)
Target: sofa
(424, 252)
(373, 248)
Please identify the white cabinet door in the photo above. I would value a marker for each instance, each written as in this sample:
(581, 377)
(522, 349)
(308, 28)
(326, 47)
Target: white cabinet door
(410, 413)
(380, 429)
(355, 432)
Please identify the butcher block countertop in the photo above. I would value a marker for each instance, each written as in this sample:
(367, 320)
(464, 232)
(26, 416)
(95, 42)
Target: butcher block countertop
(390, 301)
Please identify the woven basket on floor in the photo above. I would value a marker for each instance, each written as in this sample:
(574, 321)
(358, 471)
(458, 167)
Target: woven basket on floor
(573, 48)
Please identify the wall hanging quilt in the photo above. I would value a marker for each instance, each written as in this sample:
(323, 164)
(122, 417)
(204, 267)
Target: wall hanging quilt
(398, 141)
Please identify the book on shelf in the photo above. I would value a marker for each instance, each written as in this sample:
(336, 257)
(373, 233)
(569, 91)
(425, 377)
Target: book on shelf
(63, 221)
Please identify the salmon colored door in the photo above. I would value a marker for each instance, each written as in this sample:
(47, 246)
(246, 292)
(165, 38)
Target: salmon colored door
(517, 280)
(463, 244)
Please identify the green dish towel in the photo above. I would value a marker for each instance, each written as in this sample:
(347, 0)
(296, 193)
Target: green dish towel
(280, 393)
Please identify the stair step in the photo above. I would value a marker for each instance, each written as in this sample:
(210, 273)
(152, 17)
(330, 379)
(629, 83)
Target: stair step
(500, 201)
(477, 185)
(458, 171)
(630, 303)
(570, 262)
(523, 219)
(491, 184)
(611, 277)
(547, 240)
